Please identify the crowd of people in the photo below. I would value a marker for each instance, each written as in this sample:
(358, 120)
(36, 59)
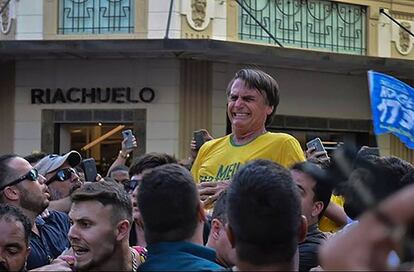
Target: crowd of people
(251, 200)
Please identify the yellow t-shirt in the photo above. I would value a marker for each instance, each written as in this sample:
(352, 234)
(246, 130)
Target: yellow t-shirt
(219, 159)
(326, 224)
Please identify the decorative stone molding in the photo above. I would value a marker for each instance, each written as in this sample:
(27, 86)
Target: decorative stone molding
(7, 16)
(198, 13)
(402, 39)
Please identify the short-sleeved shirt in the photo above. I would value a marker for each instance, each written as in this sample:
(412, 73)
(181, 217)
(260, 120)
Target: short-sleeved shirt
(179, 256)
(219, 159)
(53, 239)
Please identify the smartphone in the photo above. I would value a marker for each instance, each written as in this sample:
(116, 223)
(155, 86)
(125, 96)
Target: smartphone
(127, 134)
(198, 138)
(317, 144)
(89, 168)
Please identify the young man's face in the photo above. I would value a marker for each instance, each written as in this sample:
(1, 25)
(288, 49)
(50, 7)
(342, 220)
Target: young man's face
(13, 247)
(247, 108)
(306, 184)
(92, 234)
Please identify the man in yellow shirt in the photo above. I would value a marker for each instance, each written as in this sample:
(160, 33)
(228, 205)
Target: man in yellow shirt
(252, 99)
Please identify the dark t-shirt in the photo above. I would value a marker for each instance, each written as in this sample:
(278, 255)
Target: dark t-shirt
(308, 249)
(53, 239)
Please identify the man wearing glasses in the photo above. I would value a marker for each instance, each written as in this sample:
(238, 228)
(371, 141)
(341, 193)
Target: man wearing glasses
(22, 186)
(61, 178)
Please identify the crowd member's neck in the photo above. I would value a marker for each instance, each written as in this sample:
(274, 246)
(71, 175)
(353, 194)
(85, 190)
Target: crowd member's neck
(197, 237)
(121, 260)
(243, 266)
(241, 137)
(32, 217)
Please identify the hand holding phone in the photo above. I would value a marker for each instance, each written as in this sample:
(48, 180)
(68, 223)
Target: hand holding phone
(318, 150)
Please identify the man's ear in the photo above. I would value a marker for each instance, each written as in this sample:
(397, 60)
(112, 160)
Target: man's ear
(230, 235)
(317, 208)
(122, 229)
(270, 110)
(216, 227)
(303, 229)
(11, 193)
(201, 213)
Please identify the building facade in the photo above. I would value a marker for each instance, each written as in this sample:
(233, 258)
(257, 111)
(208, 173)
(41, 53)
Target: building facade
(74, 70)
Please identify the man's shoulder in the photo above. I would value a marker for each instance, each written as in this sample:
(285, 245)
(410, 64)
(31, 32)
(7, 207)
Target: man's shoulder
(56, 218)
(279, 136)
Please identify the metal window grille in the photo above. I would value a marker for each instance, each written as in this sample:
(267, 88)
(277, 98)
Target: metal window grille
(96, 16)
(314, 24)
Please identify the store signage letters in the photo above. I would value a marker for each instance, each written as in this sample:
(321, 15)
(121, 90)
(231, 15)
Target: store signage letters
(92, 95)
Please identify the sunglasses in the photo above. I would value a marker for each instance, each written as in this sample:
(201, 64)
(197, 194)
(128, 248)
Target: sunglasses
(62, 175)
(32, 175)
(131, 185)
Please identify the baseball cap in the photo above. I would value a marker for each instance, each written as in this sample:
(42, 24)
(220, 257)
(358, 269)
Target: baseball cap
(53, 161)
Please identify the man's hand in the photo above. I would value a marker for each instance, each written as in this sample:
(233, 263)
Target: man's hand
(210, 191)
(126, 150)
(318, 157)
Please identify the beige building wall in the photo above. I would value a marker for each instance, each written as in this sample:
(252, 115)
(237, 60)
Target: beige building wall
(161, 75)
(316, 94)
(7, 89)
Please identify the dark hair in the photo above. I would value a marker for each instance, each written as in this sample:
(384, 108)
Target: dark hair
(264, 212)
(6, 172)
(374, 179)
(117, 168)
(10, 212)
(107, 193)
(149, 161)
(169, 204)
(323, 188)
(35, 157)
(220, 208)
(264, 83)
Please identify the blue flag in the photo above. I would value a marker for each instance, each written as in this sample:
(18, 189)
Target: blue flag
(392, 104)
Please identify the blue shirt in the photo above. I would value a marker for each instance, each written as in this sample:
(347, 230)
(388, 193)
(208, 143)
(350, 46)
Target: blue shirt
(186, 256)
(53, 239)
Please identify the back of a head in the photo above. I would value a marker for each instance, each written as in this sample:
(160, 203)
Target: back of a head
(11, 213)
(220, 208)
(149, 161)
(375, 179)
(267, 86)
(6, 172)
(323, 186)
(118, 168)
(264, 213)
(35, 157)
(107, 193)
(169, 204)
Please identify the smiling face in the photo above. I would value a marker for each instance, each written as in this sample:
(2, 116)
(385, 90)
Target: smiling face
(13, 247)
(247, 108)
(92, 234)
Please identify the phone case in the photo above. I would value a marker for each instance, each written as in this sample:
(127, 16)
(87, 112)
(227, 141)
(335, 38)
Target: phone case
(317, 143)
(199, 139)
(127, 134)
(89, 168)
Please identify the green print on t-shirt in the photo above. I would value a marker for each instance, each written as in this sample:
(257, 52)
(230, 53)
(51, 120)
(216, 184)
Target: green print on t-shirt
(225, 172)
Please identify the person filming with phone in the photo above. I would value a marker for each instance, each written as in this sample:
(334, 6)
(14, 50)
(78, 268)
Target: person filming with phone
(252, 99)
